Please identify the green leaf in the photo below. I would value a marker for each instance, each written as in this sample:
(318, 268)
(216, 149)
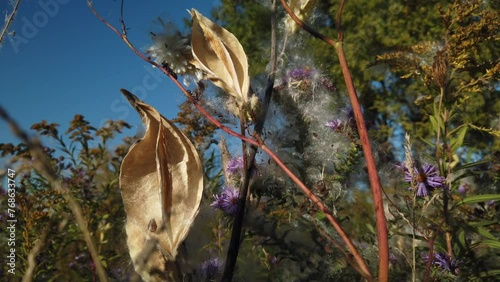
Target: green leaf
(483, 223)
(459, 140)
(434, 123)
(490, 273)
(473, 164)
(485, 233)
(491, 243)
(479, 198)
(461, 238)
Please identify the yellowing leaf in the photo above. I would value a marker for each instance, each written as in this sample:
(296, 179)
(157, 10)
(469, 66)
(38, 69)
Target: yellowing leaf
(220, 55)
(161, 181)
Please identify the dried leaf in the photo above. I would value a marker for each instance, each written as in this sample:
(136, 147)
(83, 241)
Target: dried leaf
(220, 55)
(161, 182)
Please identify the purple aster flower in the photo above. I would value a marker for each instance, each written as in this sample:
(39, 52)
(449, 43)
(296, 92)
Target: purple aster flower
(445, 262)
(427, 178)
(211, 268)
(235, 165)
(334, 124)
(227, 200)
(300, 74)
(462, 189)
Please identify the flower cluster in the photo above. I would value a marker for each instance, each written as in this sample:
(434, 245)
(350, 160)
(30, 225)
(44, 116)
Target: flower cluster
(227, 200)
(426, 177)
(445, 262)
(235, 165)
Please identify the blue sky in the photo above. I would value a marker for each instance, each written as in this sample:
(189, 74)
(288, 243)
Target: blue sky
(63, 61)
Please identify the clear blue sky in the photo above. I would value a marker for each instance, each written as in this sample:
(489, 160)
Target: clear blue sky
(63, 61)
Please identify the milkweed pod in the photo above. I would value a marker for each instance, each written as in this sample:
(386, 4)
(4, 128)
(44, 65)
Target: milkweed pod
(302, 9)
(161, 181)
(219, 54)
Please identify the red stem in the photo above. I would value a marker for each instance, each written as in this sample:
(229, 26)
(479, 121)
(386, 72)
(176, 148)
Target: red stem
(328, 214)
(382, 237)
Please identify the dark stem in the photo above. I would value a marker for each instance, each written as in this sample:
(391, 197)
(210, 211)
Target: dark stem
(249, 159)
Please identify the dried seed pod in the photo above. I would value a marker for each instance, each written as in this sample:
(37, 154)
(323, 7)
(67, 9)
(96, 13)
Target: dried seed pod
(161, 181)
(219, 54)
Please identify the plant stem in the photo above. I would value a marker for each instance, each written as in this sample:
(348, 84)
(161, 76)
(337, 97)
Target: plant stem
(365, 141)
(248, 160)
(255, 142)
(9, 21)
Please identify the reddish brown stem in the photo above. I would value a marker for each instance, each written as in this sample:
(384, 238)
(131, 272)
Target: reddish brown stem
(378, 201)
(328, 214)
(365, 141)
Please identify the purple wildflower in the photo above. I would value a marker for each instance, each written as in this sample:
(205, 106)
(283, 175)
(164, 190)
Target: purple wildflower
(462, 189)
(211, 268)
(227, 200)
(427, 178)
(334, 124)
(445, 262)
(300, 74)
(235, 165)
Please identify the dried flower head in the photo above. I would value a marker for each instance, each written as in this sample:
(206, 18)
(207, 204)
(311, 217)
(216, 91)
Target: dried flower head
(172, 48)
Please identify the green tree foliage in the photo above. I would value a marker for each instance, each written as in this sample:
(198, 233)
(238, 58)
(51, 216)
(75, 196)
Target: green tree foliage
(395, 100)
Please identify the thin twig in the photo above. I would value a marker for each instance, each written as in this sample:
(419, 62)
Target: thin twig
(44, 166)
(9, 21)
(122, 21)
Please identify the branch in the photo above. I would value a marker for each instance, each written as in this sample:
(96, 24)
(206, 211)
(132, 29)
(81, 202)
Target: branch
(9, 21)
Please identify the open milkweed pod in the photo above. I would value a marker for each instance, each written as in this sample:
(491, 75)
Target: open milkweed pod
(219, 54)
(161, 181)
(302, 9)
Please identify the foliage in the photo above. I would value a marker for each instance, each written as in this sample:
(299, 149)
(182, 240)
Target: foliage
(89, 169)
(426, 74)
